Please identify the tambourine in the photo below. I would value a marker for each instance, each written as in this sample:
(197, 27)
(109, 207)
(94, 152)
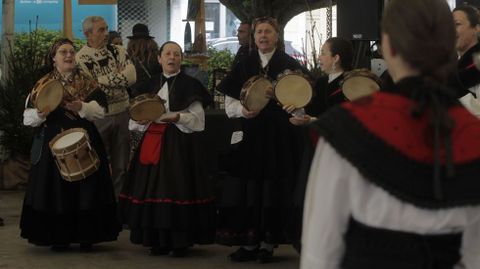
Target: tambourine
(293, 88)
(147, 106)
(253, 94)
(47, 92)
(359, 83)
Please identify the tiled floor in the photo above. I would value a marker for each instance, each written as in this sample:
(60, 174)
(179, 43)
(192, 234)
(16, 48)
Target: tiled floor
(16, 253)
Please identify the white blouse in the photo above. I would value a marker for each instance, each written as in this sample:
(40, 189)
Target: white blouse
(90, 111)
(192, 119)
(332, 77)
(471, 103)
(337, 191)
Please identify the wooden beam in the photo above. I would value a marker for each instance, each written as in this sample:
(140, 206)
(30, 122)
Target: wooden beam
(97, 2)
(200, 43)
(8, 29)
(199, 51)
(67, 19)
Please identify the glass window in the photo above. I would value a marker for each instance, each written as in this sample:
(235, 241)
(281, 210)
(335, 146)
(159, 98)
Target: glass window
(212, 20)
(231, 23)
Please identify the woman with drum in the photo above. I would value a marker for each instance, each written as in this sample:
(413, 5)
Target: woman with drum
(256, 195)
(394, 181)
(167, 200)
(74, 204)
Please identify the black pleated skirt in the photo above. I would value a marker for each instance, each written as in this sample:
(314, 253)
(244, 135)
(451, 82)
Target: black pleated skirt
(56, 211)
(170, 204)
(257, 196)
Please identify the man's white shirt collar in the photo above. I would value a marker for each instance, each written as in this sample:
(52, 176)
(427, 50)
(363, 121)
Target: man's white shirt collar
(265, 57)
(171, 75)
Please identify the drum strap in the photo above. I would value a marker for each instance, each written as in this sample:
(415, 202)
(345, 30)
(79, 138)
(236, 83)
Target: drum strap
(37, 145)
(144, 69)
(152, 144)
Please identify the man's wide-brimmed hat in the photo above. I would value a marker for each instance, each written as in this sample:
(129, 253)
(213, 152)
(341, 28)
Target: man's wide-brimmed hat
(140, 30)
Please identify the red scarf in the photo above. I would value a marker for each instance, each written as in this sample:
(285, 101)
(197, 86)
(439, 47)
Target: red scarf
(152, 144)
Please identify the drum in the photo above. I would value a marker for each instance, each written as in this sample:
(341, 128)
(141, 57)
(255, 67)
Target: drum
(47, 93)
(292, 88)
(147, 106)
(359, 83)
(253, 94)
(74, 156)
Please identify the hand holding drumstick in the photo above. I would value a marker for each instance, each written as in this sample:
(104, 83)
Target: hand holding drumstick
(74, 106)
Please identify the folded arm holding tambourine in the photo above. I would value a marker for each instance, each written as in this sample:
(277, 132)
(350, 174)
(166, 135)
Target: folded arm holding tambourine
(189, 120)
(235, 109)
(88, 110)
(33, 117)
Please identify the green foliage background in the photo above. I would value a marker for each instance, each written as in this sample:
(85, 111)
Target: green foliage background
(219, 59)
(43, 39)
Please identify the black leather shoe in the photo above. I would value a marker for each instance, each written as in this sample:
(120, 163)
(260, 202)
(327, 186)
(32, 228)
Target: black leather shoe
(243, 255)
(264, 256)
(179, 252)
(159, 251)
